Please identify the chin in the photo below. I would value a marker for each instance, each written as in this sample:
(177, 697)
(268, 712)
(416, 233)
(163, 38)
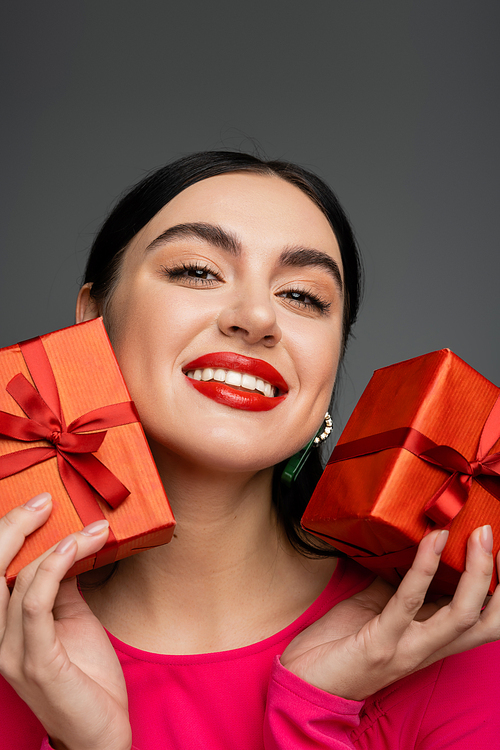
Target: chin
(216, 456)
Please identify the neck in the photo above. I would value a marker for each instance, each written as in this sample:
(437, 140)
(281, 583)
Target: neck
(224, 579)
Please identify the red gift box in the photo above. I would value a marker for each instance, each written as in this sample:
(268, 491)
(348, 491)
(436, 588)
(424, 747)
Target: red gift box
(68, 426)
(419, 452)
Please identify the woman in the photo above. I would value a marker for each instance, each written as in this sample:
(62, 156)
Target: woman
(228, 286)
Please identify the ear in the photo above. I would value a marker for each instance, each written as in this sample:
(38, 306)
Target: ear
(86, 306)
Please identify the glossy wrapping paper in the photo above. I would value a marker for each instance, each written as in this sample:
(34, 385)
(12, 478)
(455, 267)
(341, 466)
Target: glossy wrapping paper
(376, 499)
(95, 408)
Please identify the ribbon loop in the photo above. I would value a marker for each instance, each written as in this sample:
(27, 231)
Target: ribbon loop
(447, 458)
(79, 469)
(31, 402)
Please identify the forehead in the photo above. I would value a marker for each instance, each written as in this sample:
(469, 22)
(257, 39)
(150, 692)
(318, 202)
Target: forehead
(257, 208)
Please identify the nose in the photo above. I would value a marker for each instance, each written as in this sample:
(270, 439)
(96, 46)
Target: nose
(251, 316)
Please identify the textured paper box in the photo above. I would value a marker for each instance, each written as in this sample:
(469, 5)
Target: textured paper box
(87, 378)
(373, 505)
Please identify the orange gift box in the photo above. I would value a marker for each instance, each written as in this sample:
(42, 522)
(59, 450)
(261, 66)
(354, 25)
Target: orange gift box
(68, 427)
(419, 452)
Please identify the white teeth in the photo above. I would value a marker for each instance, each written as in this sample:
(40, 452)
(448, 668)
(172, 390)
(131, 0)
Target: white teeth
(234, 378)
(248, 381)
(260, 385)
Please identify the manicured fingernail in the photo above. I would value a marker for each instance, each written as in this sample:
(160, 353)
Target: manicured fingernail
(441, 540)
(487, 539)
(38, 502)
(95, 528)
(65, 545)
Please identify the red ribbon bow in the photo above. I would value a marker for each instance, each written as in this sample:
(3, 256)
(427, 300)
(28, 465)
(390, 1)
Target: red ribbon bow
(78, 467)
(450, 498)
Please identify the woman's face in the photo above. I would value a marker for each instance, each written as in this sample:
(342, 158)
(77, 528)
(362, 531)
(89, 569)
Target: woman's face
(239, 273)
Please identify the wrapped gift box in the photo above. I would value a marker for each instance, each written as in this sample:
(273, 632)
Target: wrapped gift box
(418, 453)
(68, 427)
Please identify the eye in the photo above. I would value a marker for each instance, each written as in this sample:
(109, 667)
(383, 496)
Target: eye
(200, 273)
(192, 273)
(305, 299)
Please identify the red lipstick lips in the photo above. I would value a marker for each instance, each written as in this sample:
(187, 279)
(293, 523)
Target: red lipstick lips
(225, 394)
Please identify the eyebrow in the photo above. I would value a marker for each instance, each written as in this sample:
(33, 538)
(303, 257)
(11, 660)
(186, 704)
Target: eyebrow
(307, 256)
(215, 235)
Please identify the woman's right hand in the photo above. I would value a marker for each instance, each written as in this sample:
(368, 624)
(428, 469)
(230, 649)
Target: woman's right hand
(379, 635)
(53, 650)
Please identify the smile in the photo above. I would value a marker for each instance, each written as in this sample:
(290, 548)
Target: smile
(237, 381)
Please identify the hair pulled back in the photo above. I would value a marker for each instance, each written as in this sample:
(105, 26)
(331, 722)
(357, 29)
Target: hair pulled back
(140, 204)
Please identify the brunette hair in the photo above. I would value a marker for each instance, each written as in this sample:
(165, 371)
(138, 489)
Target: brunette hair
(138, 206)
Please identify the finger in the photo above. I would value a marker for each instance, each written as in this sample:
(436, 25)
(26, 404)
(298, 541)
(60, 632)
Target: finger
(464, 611)
(404, 606)
(489, 620)
(486, 629)
(461, 616)
(86, 546)
(18, 523)
(88, 541)
(474, 583)
(69, 601)
(38, 602)
(15, 526)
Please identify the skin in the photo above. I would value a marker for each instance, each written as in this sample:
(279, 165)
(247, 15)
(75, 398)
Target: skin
(159, 326)
(219, 486)
(216, 463)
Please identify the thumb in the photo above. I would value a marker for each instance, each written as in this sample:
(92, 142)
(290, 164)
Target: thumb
(69, 601)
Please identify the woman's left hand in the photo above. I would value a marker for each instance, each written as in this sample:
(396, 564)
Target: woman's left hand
(379, 636)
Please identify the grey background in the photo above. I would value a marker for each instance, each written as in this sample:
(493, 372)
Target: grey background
(395, 103)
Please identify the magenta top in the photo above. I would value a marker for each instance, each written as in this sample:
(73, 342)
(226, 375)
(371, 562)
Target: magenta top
(245, 700)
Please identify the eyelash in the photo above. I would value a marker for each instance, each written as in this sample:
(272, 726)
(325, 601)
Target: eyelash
(316, 302)
(182, 271)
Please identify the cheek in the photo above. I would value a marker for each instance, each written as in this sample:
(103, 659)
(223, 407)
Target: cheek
(320, 360)
(135, 332)
(150, 333)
